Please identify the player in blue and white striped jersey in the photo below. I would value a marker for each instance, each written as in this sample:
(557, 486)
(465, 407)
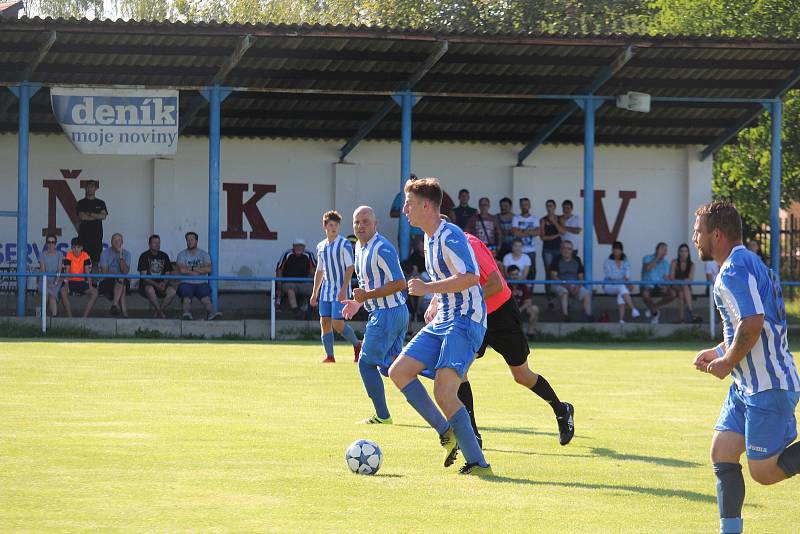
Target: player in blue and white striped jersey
(381, 284)
(446, 347)
(332, 284)
(758, 417)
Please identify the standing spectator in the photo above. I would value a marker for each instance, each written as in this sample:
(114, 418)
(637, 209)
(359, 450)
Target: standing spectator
(485, 226)
(506, 218)
(567, 266)
(571, 224)
(617, 268)
(296, 262)
(51, 263)
(682, 268)
(77, 261)
(415, 263)
(155, 261)
(656, 269)
(445, 209)
(92, 212)
(195, 262)
(551, 234)
(526, 228)
(517, 258)
(524, 299)
(463, 212)
(115, 260)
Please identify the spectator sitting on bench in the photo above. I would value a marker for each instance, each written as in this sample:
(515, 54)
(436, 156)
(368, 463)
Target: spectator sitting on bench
(195, 262)
(296, 262)
(115, 260)
(567, 266)
(78, 262)
(51, 262)
(155, 261)
(617, 268)
(524, 298)
(656, 269)
(517, 258)
(682, 268)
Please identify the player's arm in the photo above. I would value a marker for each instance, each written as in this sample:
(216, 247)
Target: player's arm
(390, 288)
(452, 284)
(493, 285)
(747, 334)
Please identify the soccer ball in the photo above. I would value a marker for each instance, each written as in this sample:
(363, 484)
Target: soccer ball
(364, 457)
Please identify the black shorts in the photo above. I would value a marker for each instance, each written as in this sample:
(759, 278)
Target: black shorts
(504, 334)
(160, 294)
(106, 287)
(77, 287)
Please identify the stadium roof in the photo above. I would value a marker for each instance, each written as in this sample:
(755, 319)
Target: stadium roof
(329, 81)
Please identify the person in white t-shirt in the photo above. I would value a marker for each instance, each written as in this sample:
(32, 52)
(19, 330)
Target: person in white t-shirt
(572, 224)
(526, 227)
(518, 258)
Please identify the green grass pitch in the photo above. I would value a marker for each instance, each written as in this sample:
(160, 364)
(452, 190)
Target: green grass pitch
(247, 437)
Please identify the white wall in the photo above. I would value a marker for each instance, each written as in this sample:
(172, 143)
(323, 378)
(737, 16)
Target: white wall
(170, 197)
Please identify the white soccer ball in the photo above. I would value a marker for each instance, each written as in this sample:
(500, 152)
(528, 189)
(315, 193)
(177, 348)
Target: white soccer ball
(364, 457)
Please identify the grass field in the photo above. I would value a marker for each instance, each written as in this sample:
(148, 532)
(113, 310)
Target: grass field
(239, 437)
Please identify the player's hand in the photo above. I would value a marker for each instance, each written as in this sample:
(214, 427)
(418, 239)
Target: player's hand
(417, 288)
(313, 301)
(430, 313)
(351, 308)
(703, 358)
(720, 368)
(359, 295)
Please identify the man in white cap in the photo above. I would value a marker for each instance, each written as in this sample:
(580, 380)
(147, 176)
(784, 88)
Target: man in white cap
(296, 262)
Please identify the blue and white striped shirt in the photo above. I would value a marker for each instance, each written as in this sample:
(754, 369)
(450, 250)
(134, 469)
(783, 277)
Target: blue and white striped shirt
(745, 287)
(333, 260)
(447, 252)
(377, 264)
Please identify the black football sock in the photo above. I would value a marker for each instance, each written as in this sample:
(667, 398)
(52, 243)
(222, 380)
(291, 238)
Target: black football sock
(465, 396)
(545, 391)
(789, 460)
(730, 496)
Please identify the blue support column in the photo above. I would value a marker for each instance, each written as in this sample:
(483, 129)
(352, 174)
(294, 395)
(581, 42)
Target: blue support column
(406, 101)
(589, 105)
(24, 92)
(776, 110)
(215, 95)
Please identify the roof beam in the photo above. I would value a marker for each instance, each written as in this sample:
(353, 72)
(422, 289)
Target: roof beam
(41, 52)
(748, 117)
(569, 108)
(384, 110)
(199, 102)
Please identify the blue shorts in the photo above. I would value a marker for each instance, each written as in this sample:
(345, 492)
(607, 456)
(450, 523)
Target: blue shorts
(452, 344)
(332, 309)
(766, 420)
(198, 291)
(384, 336)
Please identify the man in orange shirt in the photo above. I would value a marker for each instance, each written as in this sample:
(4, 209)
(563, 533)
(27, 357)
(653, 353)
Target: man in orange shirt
(77, 261)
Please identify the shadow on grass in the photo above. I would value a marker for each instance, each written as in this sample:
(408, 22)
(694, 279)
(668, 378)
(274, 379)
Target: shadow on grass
(614, 455)
(655, 492)
(525, 431)
(388, 475)
(533, 453)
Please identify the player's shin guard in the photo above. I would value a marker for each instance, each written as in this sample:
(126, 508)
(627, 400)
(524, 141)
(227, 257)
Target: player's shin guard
(327, 343)
(373, 383)
(789, 460)
(730, 496)
(466, 438)
(349, 335)
(417, 396)
(465, 396)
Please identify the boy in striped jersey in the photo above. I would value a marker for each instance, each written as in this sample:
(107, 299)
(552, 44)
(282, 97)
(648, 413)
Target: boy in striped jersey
(332, 284)
(446, 347)
(381, 285)
(757, 418)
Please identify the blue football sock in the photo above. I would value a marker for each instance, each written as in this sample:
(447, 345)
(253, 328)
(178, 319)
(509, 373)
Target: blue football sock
(327, 342)
(349, 335)
(466, 437)
(730, 496)
(417, 396)
(374, 386)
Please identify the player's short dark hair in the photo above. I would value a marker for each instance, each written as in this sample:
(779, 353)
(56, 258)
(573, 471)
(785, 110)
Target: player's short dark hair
(525, 199)
(567, 202)
(463, 191)
(75, 242)
(427, 188)
(154, 236)
(550, 201)
(331, 215)
(196, 237)
(505, 199)
(722, 215)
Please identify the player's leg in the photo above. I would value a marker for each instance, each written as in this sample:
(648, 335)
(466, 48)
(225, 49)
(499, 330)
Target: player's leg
(344, 329)
(383, 340)
(727, 447)
(770, 426)
(326, 328)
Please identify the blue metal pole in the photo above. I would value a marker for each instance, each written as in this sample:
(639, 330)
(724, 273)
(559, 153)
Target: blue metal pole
(775, 188)
(588, 186)
(404, 239)
(213, 189)
(24, 95)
